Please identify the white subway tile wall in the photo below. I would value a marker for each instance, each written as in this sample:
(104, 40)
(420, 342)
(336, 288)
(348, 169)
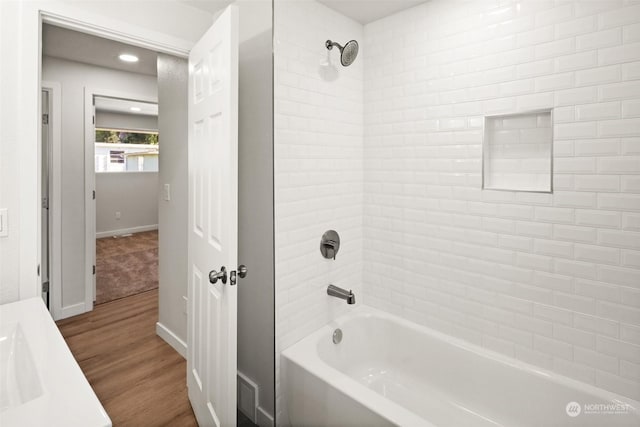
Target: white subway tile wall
(551, 279)
(388, 153)
(318, 168)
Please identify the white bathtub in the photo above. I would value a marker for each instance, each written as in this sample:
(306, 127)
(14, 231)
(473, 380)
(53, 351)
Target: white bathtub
(388, 371)
(40, 382)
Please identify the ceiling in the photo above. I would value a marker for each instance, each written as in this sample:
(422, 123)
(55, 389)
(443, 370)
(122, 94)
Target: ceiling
(80, 47)
(116, 105)
(365, 11)
(211, 6)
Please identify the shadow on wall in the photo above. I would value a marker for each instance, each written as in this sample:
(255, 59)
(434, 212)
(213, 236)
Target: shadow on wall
(327, 70)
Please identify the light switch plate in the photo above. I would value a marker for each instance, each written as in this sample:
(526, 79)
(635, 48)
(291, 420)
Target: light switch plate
(4, 223)
(167, 192)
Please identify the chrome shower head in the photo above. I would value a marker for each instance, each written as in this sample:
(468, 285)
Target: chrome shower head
(348, 52)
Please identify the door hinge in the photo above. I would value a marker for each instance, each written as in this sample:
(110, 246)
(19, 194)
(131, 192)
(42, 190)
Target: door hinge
(93, 119)
(38, 269)
(94, 269)
(45, 203)
(94, 194)
(45, 119)
(45, 287)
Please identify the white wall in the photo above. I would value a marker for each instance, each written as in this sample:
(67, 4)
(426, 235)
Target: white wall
(10, 151)
(255, 201)
(172, 18)
(318, 168)
(551, 279)
(173, 74)
(110, 119)
(133, 194)
(74, 77)
(19, 30)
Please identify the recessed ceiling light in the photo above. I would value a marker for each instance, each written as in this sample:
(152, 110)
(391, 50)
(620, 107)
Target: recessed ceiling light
(126, 57)
(135, 108)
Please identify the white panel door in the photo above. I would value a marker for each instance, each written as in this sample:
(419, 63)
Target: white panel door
(213, 227)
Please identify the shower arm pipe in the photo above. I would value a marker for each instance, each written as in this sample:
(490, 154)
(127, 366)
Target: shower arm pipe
(330, 44)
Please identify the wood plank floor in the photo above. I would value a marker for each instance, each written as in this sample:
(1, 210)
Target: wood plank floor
(139, 379)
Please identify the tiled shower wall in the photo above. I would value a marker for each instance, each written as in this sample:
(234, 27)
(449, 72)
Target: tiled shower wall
(318, 168)
(551, 279)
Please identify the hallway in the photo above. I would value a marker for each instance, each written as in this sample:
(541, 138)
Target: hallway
(139, 379)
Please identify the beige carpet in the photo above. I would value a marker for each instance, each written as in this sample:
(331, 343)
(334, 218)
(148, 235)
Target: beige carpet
(126, 265)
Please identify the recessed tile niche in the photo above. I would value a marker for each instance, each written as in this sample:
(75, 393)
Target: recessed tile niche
(517, 152)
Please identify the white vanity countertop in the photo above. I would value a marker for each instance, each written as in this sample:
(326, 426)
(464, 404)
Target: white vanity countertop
(67, 399)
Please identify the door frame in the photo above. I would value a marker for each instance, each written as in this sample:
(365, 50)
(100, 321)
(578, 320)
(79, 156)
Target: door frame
(90, 209)
(32, 16)
(55, 199)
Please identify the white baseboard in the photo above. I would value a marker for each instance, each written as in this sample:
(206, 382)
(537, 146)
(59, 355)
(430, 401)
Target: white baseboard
(249, 401)
(71, 310)
(260, 416)
(263, 418)
(172, 339)
(101, 234)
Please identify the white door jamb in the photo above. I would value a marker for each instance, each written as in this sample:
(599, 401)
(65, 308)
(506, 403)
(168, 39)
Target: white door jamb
(90, 181)
(68, 17)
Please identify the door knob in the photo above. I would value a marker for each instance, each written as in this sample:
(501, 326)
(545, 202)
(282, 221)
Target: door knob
(242, 271)
(222, 275)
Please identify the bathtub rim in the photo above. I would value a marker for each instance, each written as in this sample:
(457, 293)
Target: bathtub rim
(304, 354)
